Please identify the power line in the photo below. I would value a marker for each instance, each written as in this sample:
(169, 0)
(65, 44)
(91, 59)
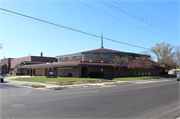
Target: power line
(71, 29)
(133, 16)
(123, 20)
(138, 9)
(145, 17)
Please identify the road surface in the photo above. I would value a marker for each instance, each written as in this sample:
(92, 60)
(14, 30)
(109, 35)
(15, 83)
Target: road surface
(146, 100)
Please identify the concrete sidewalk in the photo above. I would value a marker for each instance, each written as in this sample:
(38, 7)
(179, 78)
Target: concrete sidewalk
(19, 83)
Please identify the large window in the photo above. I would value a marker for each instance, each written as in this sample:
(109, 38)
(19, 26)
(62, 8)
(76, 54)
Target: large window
(70, 57)
(130, 56)
(90, 56)
(104, 56)
(78, 57)
(62, 58)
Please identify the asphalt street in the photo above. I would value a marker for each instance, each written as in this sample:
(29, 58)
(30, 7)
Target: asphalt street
(146, 100)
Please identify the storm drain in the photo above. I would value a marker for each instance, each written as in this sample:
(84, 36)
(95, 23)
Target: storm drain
(18, 105)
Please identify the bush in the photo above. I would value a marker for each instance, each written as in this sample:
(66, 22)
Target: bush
(63, 75)
(96, 74)
(19, 73)
(35, 75)
(164, 73)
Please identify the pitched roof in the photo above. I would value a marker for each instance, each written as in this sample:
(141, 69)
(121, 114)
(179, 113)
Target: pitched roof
(100, 51)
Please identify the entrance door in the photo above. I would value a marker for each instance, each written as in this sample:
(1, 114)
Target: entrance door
(84, 72)
(31, 72)
(46, 72)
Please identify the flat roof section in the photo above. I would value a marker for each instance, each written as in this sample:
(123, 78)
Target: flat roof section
(63, 64)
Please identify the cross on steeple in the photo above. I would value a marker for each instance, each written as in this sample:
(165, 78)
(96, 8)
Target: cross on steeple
(102, 40)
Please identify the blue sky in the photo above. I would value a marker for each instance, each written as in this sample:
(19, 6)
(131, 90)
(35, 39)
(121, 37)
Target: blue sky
(22, 36)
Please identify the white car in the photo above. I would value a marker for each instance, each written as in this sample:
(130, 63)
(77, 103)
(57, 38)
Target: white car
(178, 77)
(1, 78)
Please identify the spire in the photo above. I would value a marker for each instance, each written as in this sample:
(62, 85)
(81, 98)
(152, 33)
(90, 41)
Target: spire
(102, 40)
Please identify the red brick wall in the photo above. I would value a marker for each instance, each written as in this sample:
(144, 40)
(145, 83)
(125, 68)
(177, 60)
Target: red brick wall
(14, 62)
(40, 71)
(99, 59)
(84, 58)
(108, 71)
(95, 59)
(24, 71)
(43, 59)
(74, 71)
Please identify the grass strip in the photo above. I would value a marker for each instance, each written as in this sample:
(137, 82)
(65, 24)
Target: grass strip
(143, 78)
(59, 79)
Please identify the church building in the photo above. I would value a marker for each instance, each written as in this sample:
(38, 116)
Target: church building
(83, 64)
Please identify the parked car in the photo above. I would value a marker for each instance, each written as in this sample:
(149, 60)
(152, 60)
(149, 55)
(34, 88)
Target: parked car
(178, 77)
(1, 78)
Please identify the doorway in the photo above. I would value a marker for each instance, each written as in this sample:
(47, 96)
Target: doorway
(84, 72)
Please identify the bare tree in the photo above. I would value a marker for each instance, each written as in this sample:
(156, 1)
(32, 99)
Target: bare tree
(146, 52)
(164, 54)
(161, 50)
(142, 63)
(120, 62)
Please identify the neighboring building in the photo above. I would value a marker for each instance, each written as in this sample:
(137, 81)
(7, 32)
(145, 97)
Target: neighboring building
(15, 63)
(5, 65)
(174, 71)
(83, 63)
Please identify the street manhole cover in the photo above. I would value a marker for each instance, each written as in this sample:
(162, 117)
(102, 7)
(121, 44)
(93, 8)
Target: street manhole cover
(18, 105)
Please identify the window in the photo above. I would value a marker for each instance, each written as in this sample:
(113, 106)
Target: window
(104, 56)
(62, 58)
(78, 57)
(130, 56)
(90, 56)
(137, 57)
(70, 57)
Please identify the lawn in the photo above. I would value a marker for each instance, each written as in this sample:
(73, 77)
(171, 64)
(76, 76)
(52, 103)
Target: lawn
(59, 79)
(143, 78)
(64, 79)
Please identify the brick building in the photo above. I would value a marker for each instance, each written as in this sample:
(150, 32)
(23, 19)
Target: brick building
(5, 65)
(83, 63)
(30, 60)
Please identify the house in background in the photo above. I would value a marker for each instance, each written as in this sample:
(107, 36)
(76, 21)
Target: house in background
(5, 65)
(30, 60)
(11, 64)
